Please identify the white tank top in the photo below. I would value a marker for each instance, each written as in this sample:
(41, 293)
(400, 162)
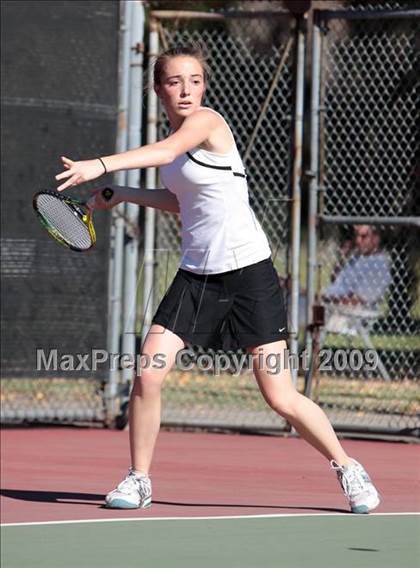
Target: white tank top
(219, 229)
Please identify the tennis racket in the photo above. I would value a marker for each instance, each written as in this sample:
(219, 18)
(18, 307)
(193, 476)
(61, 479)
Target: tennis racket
(67, 220)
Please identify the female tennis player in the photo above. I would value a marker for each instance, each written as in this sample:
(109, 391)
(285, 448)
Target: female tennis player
(226, 292)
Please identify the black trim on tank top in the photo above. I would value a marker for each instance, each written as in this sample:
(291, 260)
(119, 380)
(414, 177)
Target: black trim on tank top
(225, 168)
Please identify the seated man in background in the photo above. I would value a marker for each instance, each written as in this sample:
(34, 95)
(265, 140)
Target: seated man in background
(361, 283)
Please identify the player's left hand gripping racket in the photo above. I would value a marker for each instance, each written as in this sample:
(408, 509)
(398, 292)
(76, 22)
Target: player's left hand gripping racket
(67, 220)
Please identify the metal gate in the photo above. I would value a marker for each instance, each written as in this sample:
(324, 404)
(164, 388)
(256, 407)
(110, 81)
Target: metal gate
(256, 82)
(364, 173)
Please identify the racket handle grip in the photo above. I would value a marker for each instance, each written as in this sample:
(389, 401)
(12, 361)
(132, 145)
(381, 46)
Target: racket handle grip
(107, 193)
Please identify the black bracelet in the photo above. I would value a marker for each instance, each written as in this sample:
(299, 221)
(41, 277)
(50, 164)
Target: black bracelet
(102, 162)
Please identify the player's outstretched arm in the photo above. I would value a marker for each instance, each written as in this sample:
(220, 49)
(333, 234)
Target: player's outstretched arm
(195, 129)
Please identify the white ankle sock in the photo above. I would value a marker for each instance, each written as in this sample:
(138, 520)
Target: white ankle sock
(139, 473)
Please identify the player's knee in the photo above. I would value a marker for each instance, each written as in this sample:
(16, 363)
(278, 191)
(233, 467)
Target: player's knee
(147, 383)
(284, 405)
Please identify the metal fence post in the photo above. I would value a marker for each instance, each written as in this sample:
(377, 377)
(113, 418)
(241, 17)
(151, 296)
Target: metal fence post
(151, 175)
(296, 191)
(313, 176)
(117, 224)
(132, 210)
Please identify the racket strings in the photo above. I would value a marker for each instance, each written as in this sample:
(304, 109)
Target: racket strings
(63, 219)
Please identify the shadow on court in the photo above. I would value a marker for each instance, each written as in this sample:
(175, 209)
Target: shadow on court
(52, 496)
(70, 498)
(288, 507)
(197, 474)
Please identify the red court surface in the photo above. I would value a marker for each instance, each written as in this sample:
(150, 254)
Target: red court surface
(57, 474)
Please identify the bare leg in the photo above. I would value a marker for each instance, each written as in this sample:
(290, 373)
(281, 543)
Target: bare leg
(145, 407)
(303, 414)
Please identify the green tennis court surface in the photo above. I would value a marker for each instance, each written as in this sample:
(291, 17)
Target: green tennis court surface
(249, 542)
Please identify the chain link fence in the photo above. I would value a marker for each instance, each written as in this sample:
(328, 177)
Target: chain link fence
(369, 150)
(368, 163)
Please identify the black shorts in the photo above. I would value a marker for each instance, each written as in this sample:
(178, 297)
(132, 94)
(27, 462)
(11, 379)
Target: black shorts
(228, 311)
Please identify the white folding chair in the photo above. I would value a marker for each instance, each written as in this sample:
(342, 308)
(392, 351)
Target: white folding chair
(353, 320)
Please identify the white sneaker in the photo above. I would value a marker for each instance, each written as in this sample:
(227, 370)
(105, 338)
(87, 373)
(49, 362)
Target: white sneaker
(132, 493)
(357, 486)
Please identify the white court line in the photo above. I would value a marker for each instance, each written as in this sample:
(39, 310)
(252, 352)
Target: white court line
(218, 518)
